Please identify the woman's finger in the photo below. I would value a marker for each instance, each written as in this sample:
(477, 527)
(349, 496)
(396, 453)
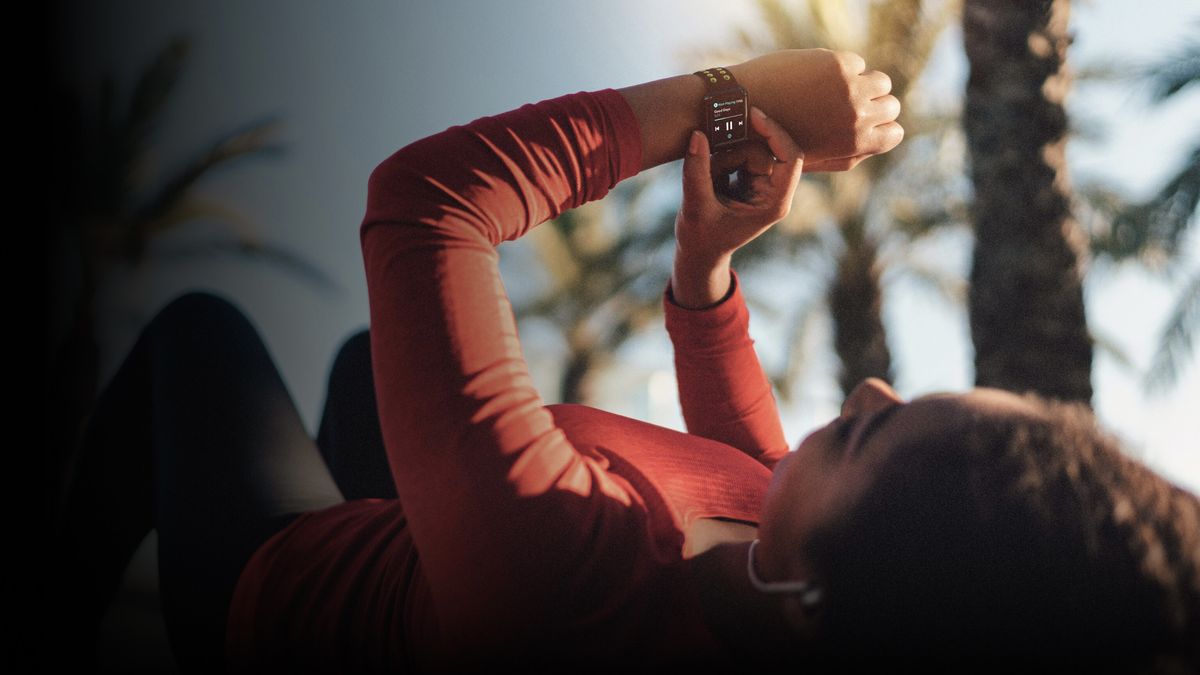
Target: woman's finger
(783, 180)
(887, 136)
(876, 83)
(879, 111)
(885, 109)
(778, 139)
(697, 179)
(851, 63)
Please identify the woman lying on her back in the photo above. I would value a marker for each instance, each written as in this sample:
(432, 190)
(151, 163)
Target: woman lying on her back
(952, 531)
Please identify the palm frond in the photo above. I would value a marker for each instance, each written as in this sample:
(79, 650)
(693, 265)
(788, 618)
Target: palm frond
(1089, 126)
(553, 246)
(1150, 231)
(1171, 212)
(548, 306)
(1107, 71)
(595, 287)
(898, 43)
(1176, 72)
(193, 208)
(949, 287)
(915, 220)
(640, 243)
(938, 123)
(153, 89)
(774, 244)
(252, 141)
(1177, 340)
(1108, 344)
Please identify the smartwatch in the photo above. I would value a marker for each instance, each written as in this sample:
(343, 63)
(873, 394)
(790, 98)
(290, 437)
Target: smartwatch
(726, 109)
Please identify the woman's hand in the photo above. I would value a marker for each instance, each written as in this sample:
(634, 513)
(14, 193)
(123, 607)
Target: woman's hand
(838, 110)
(715, 219)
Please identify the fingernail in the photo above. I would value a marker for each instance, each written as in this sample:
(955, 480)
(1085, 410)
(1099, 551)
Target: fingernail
(694, 143)
(757, 112)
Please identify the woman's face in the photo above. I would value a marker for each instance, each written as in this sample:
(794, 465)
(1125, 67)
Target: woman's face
(835, 464)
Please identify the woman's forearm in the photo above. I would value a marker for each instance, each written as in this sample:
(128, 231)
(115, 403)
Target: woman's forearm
(667, 111)
(827, 101)
(472, 447)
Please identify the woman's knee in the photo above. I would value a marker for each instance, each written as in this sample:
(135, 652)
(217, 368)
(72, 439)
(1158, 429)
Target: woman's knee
(353, 361)
(203, 320)
(198, 307)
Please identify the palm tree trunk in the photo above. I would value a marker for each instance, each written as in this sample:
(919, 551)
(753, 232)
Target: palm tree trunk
(855, 306)
(1026, 297)
(574, 386)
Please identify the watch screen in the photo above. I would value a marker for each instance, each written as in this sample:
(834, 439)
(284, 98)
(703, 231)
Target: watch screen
(726, 118)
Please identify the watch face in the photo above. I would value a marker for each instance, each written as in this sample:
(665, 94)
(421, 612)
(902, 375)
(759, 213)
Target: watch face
(726, 115)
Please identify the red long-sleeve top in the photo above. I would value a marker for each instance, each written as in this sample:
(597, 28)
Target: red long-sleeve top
(521, 529)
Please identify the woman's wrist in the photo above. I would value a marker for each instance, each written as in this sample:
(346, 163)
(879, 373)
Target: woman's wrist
(699, 282)
(668, 110)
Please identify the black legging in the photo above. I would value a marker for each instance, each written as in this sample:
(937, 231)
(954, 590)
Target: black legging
(197, 436)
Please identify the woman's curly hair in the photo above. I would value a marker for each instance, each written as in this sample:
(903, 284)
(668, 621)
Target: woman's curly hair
(1032, 542)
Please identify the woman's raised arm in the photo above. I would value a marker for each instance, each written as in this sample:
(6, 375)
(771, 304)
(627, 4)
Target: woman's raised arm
(724, 394)
(493, 492)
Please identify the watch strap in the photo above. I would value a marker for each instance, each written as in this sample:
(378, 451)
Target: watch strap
(717, 79)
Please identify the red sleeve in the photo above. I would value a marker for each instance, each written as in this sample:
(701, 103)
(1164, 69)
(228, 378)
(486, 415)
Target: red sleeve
(503, 510)
(723, 391)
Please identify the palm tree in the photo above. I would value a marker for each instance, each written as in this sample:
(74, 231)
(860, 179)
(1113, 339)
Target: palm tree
(606, 281)
(866, 218)
(1026, 295)
(100, 220)
(605, 261)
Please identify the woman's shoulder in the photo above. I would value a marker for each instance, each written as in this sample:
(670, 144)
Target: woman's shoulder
(588, 427)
